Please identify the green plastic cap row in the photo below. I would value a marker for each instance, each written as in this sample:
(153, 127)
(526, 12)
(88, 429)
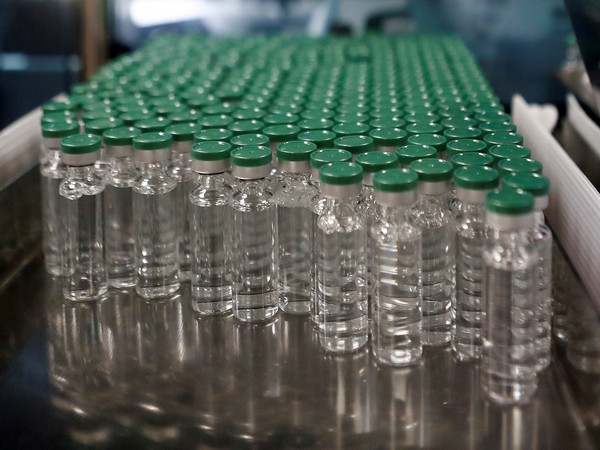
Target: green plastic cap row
(319, 158)
(60, 129)
(432, 169)
(373, 162)
(211, 151)
(412, 152)
(519, 165)
(509, 202)
(476, 178)
(120, 136)
(183, 132)
(341, 173)
(251, 156)
(79, 144)
(536, 184)
(296, 150)
(153, 141)
(395, 180)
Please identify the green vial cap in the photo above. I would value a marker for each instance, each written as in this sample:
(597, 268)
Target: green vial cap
(519, 165)
(90, 116)
(61, 116)
(246, 126)
(395, 180)
(351, 117)
(411, 152)
(503, 138)
(213, 134)
(388, 137)
(376, 161)
(282, 132)
(211, 151)
(322, 138)
(424, 128)
(341, 173)
(509, 151)
(219, 109)
(462, 133)
(183, 132)
(349, 128)
(153, 125)
(315, 113)
(534, 183)
(59, 129)
(432, 169)
(433, 140)
(497, 127)
(355, 144)
(215, 121)
(465, 146)
(456, 122)
(280, 119)
(101, 125)
(476, 178)
(185, 117)
(120, 136)
(248, 114)
(319, 158)
(315, 124)
(131, 117)
(79, 144)
(471, 159)
(251, 156)
(252, 139)
(152, 141)
(509, 202)
(387, 122)
(58, 106)
(295, 151)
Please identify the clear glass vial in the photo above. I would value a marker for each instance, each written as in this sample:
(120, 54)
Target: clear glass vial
(84, 276)
(396, 270)
(472, 186)
(255, 266)
(539, 187)
(118, 203)
(295, 226)
(211, 221)
(437, 225)
(341, 242)
(510, 281)
(155, 220)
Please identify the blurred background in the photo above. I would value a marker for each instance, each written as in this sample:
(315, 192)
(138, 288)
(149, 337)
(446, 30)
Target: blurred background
(46, 45)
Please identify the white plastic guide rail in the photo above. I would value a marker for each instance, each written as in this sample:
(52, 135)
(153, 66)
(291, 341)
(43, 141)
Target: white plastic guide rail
(574, 211)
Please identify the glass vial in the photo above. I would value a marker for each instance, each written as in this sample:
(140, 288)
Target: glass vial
(211, 219)
(118, 203)
(255, 283)
(52, 171)
(433, 216)
(155, 220)
(84, 276)
(341, 242)
(396, 270)
(295, 226)
(472, 186)
(510, 277)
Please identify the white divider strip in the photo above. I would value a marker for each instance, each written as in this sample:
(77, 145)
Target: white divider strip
(574, 211)
(585, 127)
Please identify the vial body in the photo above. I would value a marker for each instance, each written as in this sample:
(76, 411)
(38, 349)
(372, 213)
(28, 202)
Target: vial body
(211, 220)
(255, 296)
(180, 170)
(342, 277)
(52, 172)
(396, 288)
(509, 350)
(471, 238)
(368, 208)
(295, 227)
(434, 218)
(84, 276)
(118, 204)
(155, 232)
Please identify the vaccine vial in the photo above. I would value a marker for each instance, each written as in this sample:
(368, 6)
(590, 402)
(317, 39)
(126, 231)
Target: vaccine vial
(155, 219)
(396, 270)
(510, 281)
(84, 276)
(118, 205)
(52, 171)
(211, 220)
(472, 186)
(255, 266)
(539, 186)
(437, 225)
(295, 226)
(341, 242)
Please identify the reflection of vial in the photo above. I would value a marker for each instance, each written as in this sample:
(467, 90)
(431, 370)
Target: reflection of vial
(295, 226)
(120, 256)
(510, 277)
(155, 221)
(472, 187)
(180, 169)
(538, 186)
(52, 171)
(434, 217)
(83, 250)
(341, 239)
(254, 230)
(396, 270)
(210, 227)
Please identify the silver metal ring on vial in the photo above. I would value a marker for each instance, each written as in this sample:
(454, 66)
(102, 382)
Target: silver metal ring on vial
(84, 159)
(368, 179)
(251, 173)
(472, 195)
(386, 149)
(509, 223)
(294, 166)
(182, 146)
(433, 187)
(152, 156)
(392, 199)
(119, 151)
(541, 203)
(209, 167)
(52, 143)
(340, 192)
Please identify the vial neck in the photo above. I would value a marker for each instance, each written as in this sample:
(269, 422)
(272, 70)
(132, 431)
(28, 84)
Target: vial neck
(396, 214)
(122, 164)
(539, 219)
(153, 167)
(82, 172)
(181, 160)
